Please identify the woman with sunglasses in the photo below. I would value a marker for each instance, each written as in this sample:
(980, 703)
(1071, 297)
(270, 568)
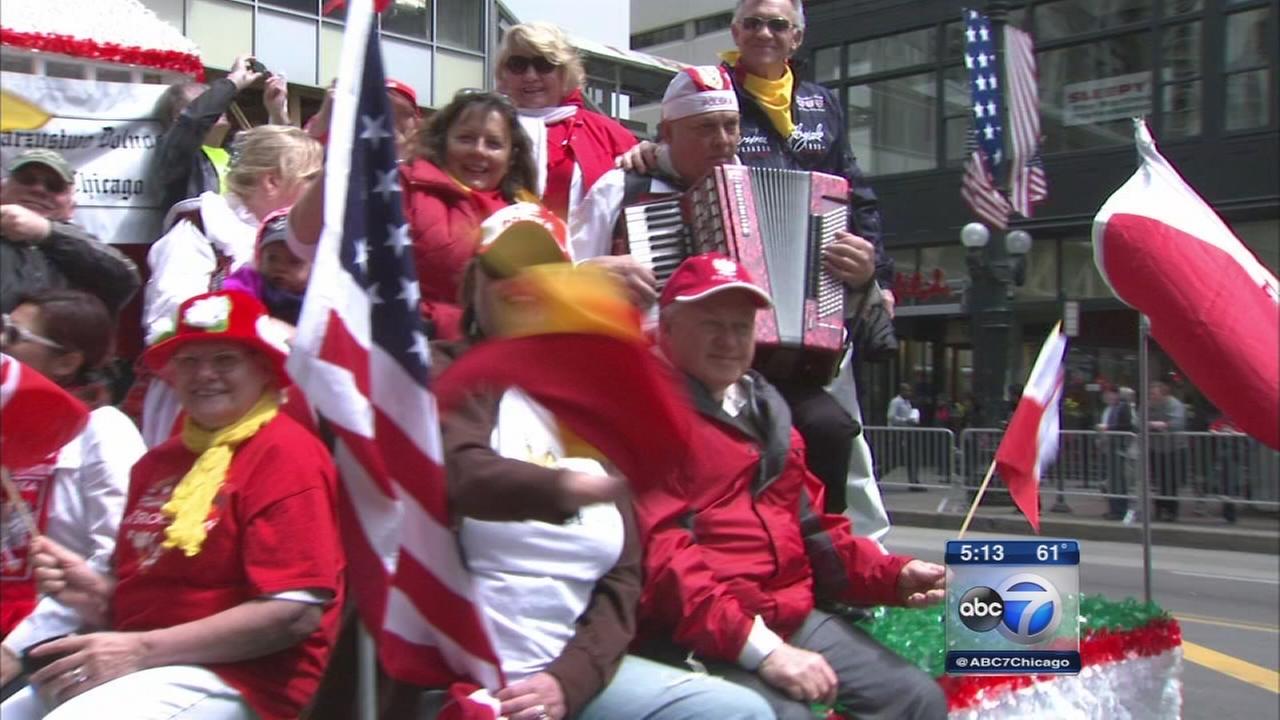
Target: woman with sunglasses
(77, 495)
(223, 596)
(572, 145)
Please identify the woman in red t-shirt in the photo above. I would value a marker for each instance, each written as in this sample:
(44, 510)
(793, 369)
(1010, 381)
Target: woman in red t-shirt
(227, 574)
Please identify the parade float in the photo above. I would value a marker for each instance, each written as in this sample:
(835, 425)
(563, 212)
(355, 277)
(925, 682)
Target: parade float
(82, 77)
(1131, 654)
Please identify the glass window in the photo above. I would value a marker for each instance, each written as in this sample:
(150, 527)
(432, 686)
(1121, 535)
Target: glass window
(456, 72)
(296, 59)
(1181, 72)
(306, 6)
(1263, 238)
(671, 33)
(408, 17)
(459, 23)
(1041, 279)
(1181, 7)
(1250, 94)
(1089, 92)
(826, 64)
(705, 25)
(958, 117)
(169, 11)
(953, 33)
(219, 29)
(1080, 276)
(891, 52)
(15, 63)
(113, 75)
(892, 124)
(58, 68)
(410, 63)
(331, 49)
(1065, 18)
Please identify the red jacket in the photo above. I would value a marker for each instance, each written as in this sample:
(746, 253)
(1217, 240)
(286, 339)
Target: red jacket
(444, 222)
(740, 532)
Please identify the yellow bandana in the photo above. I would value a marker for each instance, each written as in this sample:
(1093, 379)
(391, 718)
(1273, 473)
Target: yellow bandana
(773, 96)
(193, 497)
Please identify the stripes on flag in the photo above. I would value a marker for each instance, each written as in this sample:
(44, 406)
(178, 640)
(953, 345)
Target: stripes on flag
(986, 161)
(1027, 183)
(360, 356)
(980, 193)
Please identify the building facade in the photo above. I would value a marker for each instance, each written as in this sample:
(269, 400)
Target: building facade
(1203, 73)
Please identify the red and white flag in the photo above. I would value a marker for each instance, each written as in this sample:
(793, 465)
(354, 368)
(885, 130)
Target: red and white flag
(1030, 443)
(1214, 308)
(361, 358)
(36, 416)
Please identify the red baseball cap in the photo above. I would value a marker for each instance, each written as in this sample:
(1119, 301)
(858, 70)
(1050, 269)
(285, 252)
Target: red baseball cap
(405, 91)
(704, 275)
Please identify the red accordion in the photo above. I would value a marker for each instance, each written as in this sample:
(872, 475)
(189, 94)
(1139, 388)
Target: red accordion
(775, 223)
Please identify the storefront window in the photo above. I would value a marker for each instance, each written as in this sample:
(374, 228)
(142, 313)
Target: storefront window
(826, 64)
(1080, 277)
(957, 115)
(1065, 18)
(893, 124)
(1041, 281)
(892, 52)
(1089, 92)
(1263, 238)
(1250, 94)
(306, 6)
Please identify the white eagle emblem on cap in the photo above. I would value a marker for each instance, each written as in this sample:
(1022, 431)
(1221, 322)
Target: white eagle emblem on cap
(726, 267)
(710, 76)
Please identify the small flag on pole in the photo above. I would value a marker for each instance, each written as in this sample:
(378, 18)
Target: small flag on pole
(1213, 306)
(1030, 443)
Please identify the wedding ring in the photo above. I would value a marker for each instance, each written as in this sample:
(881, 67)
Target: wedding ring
(78, 676)
(542, 712)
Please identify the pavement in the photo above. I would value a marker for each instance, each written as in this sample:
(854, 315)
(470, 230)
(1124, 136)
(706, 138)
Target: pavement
(1200, 524)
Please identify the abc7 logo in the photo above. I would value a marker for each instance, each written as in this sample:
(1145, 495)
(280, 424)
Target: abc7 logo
(1025, 608)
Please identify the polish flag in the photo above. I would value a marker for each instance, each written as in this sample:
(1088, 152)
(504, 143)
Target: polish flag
(1213, 306)
(1030, 443)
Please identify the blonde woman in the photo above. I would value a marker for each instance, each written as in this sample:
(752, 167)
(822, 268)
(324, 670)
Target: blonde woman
(572, 145)
(211, 236)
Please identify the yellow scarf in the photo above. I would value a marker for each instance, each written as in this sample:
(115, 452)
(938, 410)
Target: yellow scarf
(774, 96)
(193, 497)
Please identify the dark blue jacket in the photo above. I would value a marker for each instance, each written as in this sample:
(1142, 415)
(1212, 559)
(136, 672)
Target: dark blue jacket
(819, 144)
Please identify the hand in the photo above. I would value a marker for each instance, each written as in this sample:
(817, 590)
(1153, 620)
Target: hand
(641, 158)
(240, 73)
(579, 489)
(851, 259)
(804, 676)
(10, 665)
(21, 224)
(534, 698)
(890, 301)
(318, 126)
(1158, 425)
(275, 98)
(89, 661)
(921, 583)
(69, 579)
(638, 280)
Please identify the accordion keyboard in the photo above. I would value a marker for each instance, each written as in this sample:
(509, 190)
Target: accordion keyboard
(658, 236)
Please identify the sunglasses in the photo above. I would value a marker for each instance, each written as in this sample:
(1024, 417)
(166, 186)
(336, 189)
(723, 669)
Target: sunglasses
(52, 183)
(517, 64)
(12, 334)
(776, 25)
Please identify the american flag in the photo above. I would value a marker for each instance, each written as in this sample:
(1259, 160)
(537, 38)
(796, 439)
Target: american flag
(987, 161)
(361, 359)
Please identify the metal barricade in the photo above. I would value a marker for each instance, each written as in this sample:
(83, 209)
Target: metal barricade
(912, 456)
(1227, 467)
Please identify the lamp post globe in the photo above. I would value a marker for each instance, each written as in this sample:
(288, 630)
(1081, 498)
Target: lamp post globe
(975, 235)
(1018, 242)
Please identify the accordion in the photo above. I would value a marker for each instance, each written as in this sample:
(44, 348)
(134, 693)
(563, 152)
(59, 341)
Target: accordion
(774, 223)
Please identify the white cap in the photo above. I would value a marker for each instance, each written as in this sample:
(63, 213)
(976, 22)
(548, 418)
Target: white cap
(697, 90)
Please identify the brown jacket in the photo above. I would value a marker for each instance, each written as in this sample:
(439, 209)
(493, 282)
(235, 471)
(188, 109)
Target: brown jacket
(486, 486)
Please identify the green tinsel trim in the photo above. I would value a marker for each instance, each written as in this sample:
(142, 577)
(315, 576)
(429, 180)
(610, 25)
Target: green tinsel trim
(918, 635)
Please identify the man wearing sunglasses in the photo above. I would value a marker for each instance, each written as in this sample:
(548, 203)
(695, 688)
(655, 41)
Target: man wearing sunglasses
(40, 249)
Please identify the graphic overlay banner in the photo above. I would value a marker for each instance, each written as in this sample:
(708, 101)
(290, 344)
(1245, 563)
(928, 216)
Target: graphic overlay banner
(1013, 607)
(107, 131)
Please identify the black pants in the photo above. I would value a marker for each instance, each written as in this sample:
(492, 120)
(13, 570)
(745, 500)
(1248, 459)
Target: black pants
(1168, 472)
(828, 433)
(874, 681)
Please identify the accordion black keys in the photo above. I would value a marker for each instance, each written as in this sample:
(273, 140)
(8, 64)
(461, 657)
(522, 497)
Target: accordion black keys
(775, 223)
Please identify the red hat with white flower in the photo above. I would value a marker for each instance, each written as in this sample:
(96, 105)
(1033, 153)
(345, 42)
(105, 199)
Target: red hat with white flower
(702, 276)
(224, 316)
(697, 90)
(520, 235)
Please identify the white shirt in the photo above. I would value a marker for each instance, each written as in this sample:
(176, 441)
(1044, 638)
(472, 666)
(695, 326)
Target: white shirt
(534, 579)
(90, 486)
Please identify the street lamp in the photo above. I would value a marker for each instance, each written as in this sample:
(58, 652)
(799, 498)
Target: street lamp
(994, 270)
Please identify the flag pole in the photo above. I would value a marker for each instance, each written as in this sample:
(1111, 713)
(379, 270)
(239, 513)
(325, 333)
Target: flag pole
(1144, 443)
(982, 489)
(367, 678)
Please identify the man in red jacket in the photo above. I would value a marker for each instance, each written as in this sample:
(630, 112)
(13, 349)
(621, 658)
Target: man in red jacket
(738, 548)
